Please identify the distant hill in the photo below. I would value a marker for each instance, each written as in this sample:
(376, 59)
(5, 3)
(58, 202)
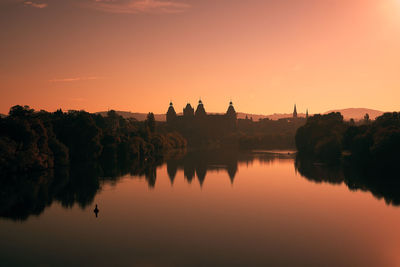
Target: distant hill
(357, 113)
(348, 113)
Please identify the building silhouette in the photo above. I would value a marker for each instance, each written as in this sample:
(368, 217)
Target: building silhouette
(201, 120)
(295, 112)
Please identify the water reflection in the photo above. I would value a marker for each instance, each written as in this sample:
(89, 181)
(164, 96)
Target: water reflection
(24, 195)
(197, 163)
(27, 195)
(382, 184)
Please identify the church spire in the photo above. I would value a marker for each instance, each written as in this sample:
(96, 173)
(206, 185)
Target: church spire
(295, 112)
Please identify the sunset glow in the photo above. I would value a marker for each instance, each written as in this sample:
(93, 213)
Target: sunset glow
(137, 55)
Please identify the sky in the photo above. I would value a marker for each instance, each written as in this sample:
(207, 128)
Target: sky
(138, 55)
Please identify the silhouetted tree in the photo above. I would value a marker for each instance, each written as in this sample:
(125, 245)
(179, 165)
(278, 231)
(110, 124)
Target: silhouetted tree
(321, 136)
(40, 140)
(151, 122)
(372, 146)
(366, 118)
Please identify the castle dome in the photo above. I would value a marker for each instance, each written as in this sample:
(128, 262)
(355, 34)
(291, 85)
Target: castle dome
(200, 111)
(171, 109)
(188, 110)
(171, 114)
(231, 112)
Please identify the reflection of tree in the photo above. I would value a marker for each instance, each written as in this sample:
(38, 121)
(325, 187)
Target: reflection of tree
(82, 186)
(29, 194)
(151, 175)
(21, 196)
(319, 173)
(382, 184)
(24, 195)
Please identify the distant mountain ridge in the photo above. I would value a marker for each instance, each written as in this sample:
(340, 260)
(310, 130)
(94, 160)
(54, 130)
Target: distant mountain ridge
(348, 113)
(357, 113)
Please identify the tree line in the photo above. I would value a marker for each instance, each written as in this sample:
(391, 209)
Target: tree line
(267, 133)
(38, 140)
(372, 145)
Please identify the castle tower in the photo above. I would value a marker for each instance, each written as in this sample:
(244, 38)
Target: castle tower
(171, 114)
(231, 112)
(188, 111)
(200, 111)
(231, 116)
(295, 112)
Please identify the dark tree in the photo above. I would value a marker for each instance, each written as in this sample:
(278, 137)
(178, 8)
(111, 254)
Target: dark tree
(151, 122)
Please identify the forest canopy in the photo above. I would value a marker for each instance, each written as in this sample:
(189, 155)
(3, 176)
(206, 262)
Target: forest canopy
(373, 144)
(38, 140)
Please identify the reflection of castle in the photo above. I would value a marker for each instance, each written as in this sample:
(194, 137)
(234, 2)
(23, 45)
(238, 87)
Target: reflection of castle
(201, 118)
(198, 163)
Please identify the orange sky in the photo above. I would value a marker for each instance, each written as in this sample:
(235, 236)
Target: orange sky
(137, 55)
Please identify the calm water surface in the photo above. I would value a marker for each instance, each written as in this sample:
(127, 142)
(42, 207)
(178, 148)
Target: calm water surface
(205, 209)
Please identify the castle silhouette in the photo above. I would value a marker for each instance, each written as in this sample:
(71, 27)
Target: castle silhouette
(200, 116)
(201, 119)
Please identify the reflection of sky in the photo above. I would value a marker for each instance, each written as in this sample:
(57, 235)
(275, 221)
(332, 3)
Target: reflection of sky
(269, 216)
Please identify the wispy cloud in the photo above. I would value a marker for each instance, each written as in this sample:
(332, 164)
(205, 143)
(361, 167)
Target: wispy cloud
(139, 6)
(37, 5)
(76, 79)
